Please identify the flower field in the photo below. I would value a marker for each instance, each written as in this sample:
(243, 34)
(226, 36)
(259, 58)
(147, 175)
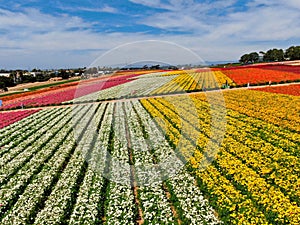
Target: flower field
(261, 74)
(162, 83)
(288, 89)
(188, 81)
(8, 118)
(287, 68)
(215, 157)
(62, 94)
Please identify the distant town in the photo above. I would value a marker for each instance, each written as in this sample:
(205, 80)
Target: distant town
(10, 78)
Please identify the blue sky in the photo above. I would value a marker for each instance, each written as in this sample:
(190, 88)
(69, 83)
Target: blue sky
(72, 33)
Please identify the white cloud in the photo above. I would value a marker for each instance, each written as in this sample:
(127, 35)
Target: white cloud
(293, 4)
(261, 24)
(33, 20)
(264, 20)
(153, 4)
(32, 38)
(106, 9)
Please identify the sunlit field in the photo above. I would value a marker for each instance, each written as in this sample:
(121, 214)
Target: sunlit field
(98, 151)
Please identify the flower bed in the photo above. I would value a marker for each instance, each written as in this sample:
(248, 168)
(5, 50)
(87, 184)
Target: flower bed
(255, 76)
(287, 89)
(60, 95)
(286, 68)
(7, 118)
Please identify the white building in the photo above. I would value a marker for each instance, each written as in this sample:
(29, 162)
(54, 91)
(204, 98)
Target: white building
(4, 74)
(34, 74)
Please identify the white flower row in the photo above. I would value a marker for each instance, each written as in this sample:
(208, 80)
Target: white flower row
(140, 86)
(154, 202)
(59, 201)
(28, 202)
(11, 189)
(18, 134)
(13, 165)
(192, 204)
(151, 75)
(89, 196)
(120, 206)
(34, 132)
(19, 127)
(119, 168)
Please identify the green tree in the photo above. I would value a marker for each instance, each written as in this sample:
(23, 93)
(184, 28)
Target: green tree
(292, 53)
(63, 74)
(245, 58)
(6, 82)
(253, 57)
(274, 55)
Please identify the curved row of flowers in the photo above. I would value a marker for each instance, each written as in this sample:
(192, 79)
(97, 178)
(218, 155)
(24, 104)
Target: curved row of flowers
(278, 164)
(224, 194)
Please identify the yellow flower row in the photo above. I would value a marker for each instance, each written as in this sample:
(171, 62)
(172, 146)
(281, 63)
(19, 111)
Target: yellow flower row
(237, 107)
(281, 166)
(225, 192)
(222, 79)
(262, 192)
(278, 206)
(282, 110)
(190, 80)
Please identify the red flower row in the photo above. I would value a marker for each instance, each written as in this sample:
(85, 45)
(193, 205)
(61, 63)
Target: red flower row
(286, 68)
(259, 76)
(66, 94)
(267, 66)
(53, 88)
(287, 89)
(7, 118)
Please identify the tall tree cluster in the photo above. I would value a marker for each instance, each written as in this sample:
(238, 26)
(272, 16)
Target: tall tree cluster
(272, 55)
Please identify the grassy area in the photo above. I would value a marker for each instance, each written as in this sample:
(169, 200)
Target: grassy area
(8, 94)
(226, 65)
(51, 85)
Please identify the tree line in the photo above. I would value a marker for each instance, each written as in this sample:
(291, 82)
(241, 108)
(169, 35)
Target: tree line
(272, 55)
(22, 76)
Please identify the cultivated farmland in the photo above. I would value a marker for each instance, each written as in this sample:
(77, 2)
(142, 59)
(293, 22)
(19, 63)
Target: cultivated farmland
(164, 147)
